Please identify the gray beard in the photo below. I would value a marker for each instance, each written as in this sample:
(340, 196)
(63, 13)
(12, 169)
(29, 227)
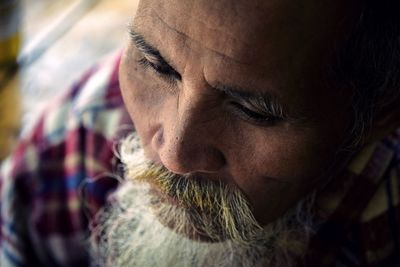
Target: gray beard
(129, 233)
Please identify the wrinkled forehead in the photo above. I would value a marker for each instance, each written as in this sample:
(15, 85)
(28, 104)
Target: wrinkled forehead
(248, 30)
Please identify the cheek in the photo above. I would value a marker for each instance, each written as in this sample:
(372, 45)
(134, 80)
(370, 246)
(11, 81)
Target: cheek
(284, 154)
(143, 97)
(290, 167)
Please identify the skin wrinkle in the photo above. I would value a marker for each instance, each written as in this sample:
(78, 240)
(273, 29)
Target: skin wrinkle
(234, 37)
(187, 38)
(296, 154)
(178, 109)
(142, 45)
(223, 22)
(234, 92)
(228, 89)
(194, 135)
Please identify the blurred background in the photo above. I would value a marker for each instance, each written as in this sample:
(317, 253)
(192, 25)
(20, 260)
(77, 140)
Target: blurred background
(47, 44)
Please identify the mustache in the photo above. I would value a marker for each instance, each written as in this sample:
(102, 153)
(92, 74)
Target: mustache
(214, 209)
(134, 226)
(186, 189)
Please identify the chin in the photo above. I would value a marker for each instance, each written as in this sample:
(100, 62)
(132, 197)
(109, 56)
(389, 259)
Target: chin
(155, 219)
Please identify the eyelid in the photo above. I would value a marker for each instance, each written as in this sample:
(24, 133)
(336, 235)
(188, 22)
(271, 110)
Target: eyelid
(260, 110)
(259, 105)
(254, 117)
(150, 57)
(267, 104)
(151, 54)
(161, 69)
(157, 62)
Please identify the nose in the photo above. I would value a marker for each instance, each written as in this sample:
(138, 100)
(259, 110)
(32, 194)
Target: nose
(189, 139)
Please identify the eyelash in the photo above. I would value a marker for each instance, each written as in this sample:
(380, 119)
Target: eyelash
(246, 114)
(253, 116)
(164, 71)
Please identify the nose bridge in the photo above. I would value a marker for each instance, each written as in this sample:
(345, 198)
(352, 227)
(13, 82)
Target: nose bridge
(198, 114)
(190, 142)
(196, 111)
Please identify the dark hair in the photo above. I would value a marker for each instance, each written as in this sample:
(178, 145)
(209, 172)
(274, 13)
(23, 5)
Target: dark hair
(368, 63)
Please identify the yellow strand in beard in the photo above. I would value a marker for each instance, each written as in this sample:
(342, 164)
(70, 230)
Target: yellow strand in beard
(219, 208)
(186, 192)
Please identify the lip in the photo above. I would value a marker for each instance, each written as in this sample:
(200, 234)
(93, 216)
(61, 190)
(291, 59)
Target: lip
(190, 232)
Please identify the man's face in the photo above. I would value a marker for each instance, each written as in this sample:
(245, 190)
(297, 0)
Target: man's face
(236, 91)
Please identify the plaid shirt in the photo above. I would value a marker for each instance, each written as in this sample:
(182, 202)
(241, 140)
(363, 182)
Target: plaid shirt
(57, 178)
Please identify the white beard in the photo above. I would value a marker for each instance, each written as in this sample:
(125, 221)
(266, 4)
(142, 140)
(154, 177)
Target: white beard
(129, 232)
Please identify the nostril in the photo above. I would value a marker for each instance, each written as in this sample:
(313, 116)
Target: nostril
(183, 159)
(169, 152)
(183, 150)
(158, 139)
(173, 163)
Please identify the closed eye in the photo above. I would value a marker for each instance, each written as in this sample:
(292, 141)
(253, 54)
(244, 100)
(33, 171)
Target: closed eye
(152, 57)
(261, 118)
(160, 68)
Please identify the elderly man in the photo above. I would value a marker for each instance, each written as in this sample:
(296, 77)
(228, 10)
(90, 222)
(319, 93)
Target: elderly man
(264, 135)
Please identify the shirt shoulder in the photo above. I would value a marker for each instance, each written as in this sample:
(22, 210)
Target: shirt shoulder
(361, 209)
(71, 141)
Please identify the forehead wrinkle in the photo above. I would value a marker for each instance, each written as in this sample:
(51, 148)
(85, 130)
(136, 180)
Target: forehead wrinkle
(185, 40)
(200, 41)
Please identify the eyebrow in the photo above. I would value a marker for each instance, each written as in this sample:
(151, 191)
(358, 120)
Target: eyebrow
(143, 46)
(264, 100)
